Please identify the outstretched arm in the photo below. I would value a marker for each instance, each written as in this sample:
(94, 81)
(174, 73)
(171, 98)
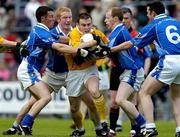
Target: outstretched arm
(7, 43)
(63, 48)
(122, 46)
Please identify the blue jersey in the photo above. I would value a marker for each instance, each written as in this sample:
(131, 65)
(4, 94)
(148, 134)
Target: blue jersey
(144, 53)
(164, 31)
(56, 60)
(127, 59)
(39, 41)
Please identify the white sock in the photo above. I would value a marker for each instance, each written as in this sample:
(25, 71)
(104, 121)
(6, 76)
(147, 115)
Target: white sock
(81, 129)
(119, 121)
(15, 124)
(150, 125)
(177, 129)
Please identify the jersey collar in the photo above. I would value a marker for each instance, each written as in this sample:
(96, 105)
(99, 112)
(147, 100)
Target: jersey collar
(60, 30)
(120, 24)
(160, 16)
(42, 26)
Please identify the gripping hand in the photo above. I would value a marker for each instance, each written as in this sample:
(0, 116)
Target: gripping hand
(23, 49)
(97, 39)
(81, 56)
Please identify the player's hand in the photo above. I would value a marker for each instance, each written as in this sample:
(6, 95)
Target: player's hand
(105, 50)
(81, 56)
(97, 39)
(64, 39)
(23, 49)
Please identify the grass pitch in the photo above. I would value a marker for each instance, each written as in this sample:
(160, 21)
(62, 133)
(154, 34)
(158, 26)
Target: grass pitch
(52, 127)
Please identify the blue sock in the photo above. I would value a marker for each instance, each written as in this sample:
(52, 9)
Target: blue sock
(136, 127)
(28, 120)
(140, 120)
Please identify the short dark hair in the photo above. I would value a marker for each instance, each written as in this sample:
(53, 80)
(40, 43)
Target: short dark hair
(127, 10)
(157, 7)
(84, 16)
(42, 11)
(117, 12)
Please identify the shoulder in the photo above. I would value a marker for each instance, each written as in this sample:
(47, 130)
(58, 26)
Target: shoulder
(100, 34)
(75, 33)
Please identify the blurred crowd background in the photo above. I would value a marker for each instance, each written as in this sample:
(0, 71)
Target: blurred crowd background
(18, 16)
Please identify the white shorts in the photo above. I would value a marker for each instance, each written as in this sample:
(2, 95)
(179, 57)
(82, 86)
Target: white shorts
(104, 80)
(54, 80)
(168, 70)
(27, 75)
(76, 80)
(133, 77)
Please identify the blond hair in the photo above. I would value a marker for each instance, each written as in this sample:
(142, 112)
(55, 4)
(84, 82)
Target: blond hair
(61, 10)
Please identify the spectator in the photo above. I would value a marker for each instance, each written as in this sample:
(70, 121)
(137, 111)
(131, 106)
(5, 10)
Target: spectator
(30, 10)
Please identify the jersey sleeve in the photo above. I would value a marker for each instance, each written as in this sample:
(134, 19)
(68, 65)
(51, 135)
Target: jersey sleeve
(145, 37)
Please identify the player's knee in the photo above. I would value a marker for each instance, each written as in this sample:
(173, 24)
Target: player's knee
(119, 101)
(47, 99)
(95, 93)
(114, 105)
(142, 94)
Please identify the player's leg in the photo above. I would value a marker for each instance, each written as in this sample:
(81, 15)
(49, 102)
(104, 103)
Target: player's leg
(87, 99)
(124, 92)
(114, 108)
(41, 92)
(83, 110)
(130, 82)
(149, 87)
(24, 110)
(76, 116)
(92, 85)
(114, 113)
(175, 95)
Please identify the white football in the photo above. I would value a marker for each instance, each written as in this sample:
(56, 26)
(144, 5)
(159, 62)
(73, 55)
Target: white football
(87, 37)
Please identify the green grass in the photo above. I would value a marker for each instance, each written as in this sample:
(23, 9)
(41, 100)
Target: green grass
(52, 127)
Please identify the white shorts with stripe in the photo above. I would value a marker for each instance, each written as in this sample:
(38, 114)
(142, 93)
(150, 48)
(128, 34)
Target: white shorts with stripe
(27, 75)
(167, 70)
(133, 77)
(76, 80)
(55, 80)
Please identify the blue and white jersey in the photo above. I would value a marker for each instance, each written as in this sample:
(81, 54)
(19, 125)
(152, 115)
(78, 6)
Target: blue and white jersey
(39, 41)
(127, 59)
(56, 60)
(164, 31)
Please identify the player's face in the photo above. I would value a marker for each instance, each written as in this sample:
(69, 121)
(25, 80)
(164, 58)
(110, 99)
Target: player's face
(109, 20)
(150, 14)
(127, 20)
(65, 20)
(85, 25)
(49, 19)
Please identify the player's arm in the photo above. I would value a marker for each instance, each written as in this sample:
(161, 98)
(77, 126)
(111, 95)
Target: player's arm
(122, 46)
(7, 43)
(69, 49)
(64, 48)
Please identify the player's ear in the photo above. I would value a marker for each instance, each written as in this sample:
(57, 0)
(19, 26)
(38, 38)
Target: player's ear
(116, 18)
(43, 18)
